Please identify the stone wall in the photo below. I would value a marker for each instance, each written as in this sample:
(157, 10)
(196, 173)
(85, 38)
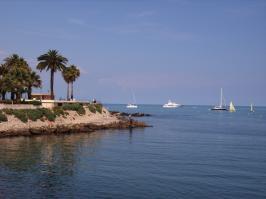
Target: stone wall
(18, 106)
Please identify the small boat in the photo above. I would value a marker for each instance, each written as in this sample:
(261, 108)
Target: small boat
(232, 107)
(171, 104)
(221, 106)
(132, 106)
(251, 108)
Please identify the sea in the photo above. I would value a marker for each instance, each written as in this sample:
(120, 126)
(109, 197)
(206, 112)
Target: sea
(189, 152)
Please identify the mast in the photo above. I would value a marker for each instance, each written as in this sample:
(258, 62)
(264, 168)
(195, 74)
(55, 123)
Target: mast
(221, 100)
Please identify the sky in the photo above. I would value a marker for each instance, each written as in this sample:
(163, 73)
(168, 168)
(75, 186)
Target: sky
(183, 50)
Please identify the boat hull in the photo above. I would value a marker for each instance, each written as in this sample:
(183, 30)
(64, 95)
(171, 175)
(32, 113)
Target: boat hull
(171, 106)
(218, 109)
(132, 106)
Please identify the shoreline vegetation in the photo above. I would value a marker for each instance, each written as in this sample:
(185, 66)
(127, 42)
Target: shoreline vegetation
(23, 113)
(67, 119)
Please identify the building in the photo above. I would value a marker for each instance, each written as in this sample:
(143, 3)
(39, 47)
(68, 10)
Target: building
(41, 96)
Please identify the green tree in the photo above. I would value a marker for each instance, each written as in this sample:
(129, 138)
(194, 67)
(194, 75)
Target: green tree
(70, 74)
(15, 74)
(67, 77)
(34, 81)
(52, 61)
(16, 80)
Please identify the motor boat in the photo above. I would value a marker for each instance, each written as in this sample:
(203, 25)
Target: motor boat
(171, 104)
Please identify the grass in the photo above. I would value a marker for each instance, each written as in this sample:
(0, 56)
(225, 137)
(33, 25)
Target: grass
(92, 108)
(48, 114)
(95, 108)
(74, 107)
(31, 114)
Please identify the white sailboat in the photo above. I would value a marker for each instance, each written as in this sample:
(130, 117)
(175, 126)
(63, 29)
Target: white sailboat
(171, 104)
(133, 105)
(221, 106)
(232, 107)
(251, 108)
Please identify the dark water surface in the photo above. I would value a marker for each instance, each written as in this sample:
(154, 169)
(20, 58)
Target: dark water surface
(190, 152)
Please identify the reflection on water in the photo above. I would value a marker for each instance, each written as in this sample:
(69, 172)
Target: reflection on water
(49, 159)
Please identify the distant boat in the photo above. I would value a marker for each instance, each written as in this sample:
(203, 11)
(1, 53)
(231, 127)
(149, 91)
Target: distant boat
(232, 107)
(171, 104)
(221, 106)
(251, 108)
(133, 105)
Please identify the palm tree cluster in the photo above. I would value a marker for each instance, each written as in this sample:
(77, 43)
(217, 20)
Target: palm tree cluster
(54, 62)
(70, 74)
(16, 77)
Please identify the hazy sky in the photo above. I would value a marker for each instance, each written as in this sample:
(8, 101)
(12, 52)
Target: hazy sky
(182, 50)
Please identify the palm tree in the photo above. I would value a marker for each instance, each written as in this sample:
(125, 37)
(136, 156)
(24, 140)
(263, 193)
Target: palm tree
(34, 81)
(75, 74)
(52, 61)
(70, 74)
(67, 77)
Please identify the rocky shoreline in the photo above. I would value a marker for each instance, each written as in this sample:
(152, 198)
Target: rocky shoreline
(73, 123)
(71, 128)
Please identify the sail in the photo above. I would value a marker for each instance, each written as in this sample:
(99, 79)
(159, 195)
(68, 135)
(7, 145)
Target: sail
(232, 108)
(251, 108)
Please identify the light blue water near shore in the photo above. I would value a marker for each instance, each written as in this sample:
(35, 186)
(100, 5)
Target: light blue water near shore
(189, 152)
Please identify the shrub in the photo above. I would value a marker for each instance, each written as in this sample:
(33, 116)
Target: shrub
(48, 114)
(36, 103)
(3, 117)
(34, 114)
(92, 108)
(99, 108)
(59, 111)
(8, 111)
(74, 107)
(21, 115)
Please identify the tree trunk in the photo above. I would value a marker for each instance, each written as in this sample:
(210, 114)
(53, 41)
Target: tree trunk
(29, 92)
(18, 96)
(68, 91)
(72, 91)
(12, 96)
(3, 95)
(52, 84)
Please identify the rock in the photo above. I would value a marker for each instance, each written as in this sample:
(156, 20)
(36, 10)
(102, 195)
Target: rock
(128, 114)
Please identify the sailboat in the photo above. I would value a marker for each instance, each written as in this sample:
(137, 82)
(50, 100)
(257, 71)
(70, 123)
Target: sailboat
(132, 105)
(251, 108)
(232, 107)
(221, 106)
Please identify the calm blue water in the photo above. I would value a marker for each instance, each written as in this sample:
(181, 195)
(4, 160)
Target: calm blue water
(190, 152)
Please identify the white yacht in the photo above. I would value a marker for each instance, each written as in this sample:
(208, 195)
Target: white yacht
(171, 104)
(132, 106)
(221, 106)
